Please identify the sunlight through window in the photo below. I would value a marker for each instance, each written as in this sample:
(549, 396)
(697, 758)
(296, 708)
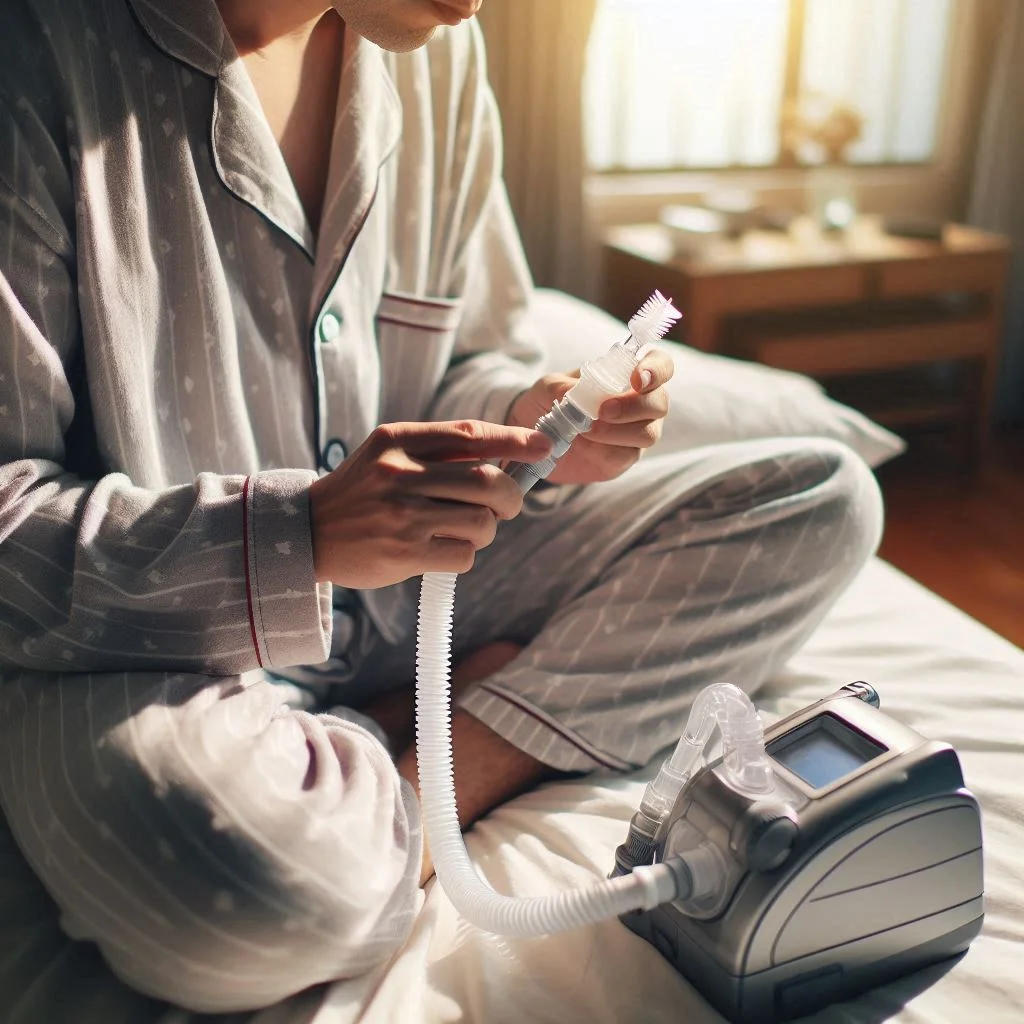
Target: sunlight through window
(700, 84)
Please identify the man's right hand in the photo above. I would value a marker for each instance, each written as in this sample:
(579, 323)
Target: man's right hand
(416, 498)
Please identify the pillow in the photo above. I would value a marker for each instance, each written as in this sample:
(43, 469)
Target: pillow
(715, 399)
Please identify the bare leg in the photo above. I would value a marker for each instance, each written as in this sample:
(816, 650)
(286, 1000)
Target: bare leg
(395, 711)
(488, 769)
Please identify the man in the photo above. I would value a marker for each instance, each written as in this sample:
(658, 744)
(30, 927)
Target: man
(235, 239)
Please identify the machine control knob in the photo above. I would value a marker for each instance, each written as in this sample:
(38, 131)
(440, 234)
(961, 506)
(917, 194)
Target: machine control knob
(865, 692)
(764, 838)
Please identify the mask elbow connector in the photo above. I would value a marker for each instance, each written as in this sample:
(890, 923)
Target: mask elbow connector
(744, 761)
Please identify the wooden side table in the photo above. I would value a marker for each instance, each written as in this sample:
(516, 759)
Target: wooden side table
(857, 306)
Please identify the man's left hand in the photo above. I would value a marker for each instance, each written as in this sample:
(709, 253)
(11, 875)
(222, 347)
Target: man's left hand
(626, 426)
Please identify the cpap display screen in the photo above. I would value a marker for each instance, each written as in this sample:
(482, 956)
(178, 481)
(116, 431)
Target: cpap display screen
(824, 751)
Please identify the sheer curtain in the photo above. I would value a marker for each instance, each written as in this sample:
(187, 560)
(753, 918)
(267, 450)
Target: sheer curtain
(685, 83)
(997, 198)
(887, 59)
(536, 53)
(701, 83)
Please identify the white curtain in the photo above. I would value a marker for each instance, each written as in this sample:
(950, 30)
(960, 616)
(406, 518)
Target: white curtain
(536, 55)
(997, 193)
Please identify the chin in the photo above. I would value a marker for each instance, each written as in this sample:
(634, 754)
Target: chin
(399, 41)
(396, 25)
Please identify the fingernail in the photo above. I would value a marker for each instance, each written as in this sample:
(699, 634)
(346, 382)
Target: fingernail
(611, 409)
(645, 379)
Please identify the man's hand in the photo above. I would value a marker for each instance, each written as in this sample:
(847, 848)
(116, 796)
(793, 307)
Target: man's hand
(626, 426)
(416, 498)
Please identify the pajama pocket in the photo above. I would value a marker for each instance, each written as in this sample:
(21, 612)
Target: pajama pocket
(415, 338)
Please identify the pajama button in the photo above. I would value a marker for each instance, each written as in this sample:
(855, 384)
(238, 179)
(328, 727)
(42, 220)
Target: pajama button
(330, 328)
(334, 455)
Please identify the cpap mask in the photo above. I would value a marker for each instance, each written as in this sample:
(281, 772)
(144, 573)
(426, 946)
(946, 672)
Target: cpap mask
(797, 868)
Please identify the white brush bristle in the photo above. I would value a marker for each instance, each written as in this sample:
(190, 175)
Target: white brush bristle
(653, 320)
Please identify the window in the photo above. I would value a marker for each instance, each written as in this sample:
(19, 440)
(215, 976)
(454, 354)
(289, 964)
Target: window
(686, 84)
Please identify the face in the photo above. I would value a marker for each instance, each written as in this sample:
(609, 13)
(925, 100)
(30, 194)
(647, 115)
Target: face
(401, 25)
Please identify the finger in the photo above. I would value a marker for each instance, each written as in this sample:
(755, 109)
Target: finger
(654, 371)
(445, 554)
(558, 385)
(566, 379)
(471, 483)
(534, 402)
(473, 523)
(643, 434)
(463, 439)
(606, 462)
(636, 408)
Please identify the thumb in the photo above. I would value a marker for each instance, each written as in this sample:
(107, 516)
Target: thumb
(538, 399)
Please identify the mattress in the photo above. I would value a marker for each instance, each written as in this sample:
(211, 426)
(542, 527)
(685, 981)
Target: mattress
(935, 669)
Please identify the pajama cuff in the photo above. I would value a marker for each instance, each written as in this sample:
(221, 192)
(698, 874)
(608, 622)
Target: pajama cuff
(537, 733)
(289, 613)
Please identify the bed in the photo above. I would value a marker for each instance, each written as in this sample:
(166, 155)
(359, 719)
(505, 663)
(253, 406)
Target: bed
(935, 668)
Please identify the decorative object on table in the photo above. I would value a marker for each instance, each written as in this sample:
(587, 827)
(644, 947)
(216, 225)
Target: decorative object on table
(776, 218)
(726, 214)
(818, 132)
(737, 206)
(693, 228)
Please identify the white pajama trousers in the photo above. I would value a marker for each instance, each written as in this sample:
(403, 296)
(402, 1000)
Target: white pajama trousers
(195, 838)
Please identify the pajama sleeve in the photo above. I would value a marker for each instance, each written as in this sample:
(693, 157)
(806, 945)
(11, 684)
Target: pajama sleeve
(214, 576)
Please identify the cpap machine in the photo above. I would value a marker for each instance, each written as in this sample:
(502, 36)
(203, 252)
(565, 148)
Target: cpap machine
(850, 855)
(805, 864)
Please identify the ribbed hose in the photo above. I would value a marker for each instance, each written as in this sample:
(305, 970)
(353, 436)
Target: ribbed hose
(645, 888)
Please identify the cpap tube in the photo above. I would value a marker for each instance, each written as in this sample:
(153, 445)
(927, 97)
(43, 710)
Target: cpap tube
(647, 886)
(644, 888)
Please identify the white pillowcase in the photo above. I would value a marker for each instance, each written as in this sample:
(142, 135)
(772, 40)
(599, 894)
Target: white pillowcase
(715, 399)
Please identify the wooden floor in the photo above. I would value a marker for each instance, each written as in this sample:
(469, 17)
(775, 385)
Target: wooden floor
(961, 535)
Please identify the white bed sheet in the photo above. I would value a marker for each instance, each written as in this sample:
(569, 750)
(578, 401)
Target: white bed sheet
(935, 669)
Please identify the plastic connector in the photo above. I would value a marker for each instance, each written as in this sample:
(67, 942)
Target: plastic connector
(562, 424)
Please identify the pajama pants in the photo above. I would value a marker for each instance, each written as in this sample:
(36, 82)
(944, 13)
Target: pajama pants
(192, 840)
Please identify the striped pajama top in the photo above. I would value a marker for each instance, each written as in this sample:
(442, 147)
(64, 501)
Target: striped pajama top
(178, 359)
